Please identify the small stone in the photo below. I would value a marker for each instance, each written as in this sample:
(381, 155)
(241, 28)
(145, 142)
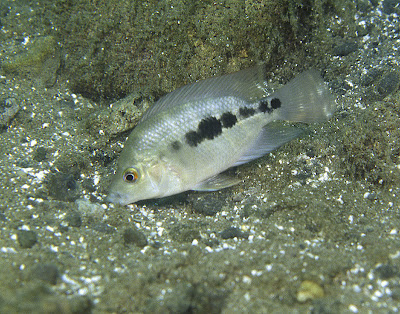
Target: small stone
(233, 232)
(74, 219)
(8, 112)
(88, 208)
(46, 272)
(102, 227)
(386, 271)
(309, 290)
(371, 76)
(344, 49)
(40, 154)
(134, 236)
(206, 205)
(62, 186)
(388, 84)
(26, 238)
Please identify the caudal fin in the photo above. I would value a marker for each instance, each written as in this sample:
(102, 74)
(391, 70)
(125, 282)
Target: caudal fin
(306, 98)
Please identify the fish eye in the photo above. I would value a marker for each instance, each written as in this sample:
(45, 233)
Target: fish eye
(130, 175)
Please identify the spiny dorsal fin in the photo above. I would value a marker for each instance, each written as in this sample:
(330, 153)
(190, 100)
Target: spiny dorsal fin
(245, 84)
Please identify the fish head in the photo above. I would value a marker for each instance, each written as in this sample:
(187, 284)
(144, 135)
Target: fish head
(143, 180)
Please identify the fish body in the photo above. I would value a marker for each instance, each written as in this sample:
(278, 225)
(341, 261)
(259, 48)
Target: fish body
(196, 132)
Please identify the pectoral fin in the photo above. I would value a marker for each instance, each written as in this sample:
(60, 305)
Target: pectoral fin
(215, 183)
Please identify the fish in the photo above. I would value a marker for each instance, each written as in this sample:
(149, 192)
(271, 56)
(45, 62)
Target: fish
(190, 136)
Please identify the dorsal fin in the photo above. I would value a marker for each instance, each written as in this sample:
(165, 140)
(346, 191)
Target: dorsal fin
(245, 84)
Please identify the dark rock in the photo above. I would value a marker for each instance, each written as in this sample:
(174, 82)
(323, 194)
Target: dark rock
(134, 236)
(88, 185)
(207, 204)
(46, 272)
(72, 163)
(371, 75)
(40, 154)
(62, 186)
(26, 238)
(102, 227)
(345, 49)
(387, 271)
(233, 232)
(388, 84)
(157, 245)
(185, 232)
(74, 219)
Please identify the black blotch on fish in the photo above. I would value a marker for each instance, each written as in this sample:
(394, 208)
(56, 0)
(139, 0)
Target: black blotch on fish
(263, 106)
(246, 112)
(192, 138)
(228, 120)
(275, 103)
(176, 145)
(208, 129)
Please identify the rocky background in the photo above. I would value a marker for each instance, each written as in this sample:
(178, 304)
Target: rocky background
(314, 227)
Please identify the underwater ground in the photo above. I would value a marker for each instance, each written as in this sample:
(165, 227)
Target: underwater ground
(314, 227)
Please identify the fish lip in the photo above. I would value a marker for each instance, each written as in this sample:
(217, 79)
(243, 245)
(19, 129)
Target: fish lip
(117, 198)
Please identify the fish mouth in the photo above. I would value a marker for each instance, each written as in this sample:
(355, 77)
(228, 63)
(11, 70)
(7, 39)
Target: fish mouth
(118, 198)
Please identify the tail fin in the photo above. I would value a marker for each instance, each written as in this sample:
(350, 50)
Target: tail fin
(306, 98)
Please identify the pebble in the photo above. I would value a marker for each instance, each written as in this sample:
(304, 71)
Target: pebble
(386, 271)
(345, 49)
(233, 232)
(134, 236)
(40, 154)
(206, 205)
(87, 208)
(388, 83)
(8, 112)
(309, 290)
(62, 186)
(73, 219)
(26, 238)
(46, 272)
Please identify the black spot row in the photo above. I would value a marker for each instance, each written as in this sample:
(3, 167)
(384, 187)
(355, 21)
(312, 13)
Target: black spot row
(246, 112)
(264, 107)
(208, 128)
(211, 127)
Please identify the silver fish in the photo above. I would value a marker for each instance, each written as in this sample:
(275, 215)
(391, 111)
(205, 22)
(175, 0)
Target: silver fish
(191, 135)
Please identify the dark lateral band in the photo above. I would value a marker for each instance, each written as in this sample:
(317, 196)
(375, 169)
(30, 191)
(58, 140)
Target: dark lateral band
(211, 127)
